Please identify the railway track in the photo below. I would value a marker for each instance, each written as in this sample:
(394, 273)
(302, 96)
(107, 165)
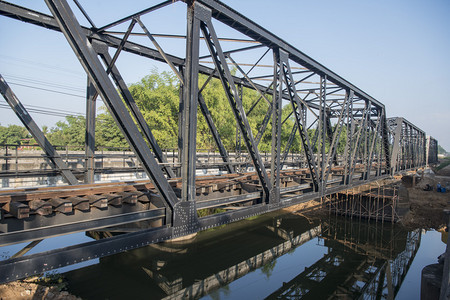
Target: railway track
(47, 201)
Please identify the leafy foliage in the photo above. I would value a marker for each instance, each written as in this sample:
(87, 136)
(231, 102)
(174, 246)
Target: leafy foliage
(13, 135)
(69, 132)
(158, 97)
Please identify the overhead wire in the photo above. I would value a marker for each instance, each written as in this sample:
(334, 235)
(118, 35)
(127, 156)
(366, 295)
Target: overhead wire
(11, 59)
(47, 90)
(53, 109)
(47, 86)
(41, 82)
(45, 112)
(41, 109)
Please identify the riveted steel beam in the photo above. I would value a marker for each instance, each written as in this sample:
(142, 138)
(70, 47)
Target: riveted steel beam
(90, 131)
(35, 131)
(99, 77)
(298, 109)
(235, 101)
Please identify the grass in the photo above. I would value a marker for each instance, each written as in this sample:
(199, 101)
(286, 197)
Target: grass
(209, 211)
(443, 164)
(51, 279)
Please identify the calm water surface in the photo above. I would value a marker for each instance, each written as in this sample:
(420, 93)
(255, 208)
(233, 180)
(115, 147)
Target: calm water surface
(273, 256)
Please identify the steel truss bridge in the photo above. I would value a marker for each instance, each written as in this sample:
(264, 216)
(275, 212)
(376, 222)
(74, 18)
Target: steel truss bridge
(166, 207)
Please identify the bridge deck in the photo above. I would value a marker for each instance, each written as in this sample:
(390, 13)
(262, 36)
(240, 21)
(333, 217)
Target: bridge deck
(58, 210)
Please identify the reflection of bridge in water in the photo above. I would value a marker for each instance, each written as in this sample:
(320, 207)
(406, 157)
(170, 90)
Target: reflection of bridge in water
(363, 259)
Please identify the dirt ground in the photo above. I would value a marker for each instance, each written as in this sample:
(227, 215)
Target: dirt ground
(444, 172)
(427, 208)
(29, 290)
(305, 207)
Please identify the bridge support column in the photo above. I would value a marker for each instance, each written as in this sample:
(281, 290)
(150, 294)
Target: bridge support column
(396, 145)
(185, 213)
(90, 132)
(277, 106)
(323, 138)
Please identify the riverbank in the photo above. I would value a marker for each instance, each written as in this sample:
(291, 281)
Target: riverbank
(35, 288)
(426, 206)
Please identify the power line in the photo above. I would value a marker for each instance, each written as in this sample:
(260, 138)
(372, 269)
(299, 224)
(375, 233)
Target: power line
(53, 109)
(45, 112)
(41, 82)
(41, 65)
(48, 90)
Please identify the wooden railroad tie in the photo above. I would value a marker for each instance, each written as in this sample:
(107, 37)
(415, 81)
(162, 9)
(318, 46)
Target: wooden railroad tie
(114, 199)
(41, 207)
(97, 201)
(79, 203)
(128, 197)
(17, 209)
(61, 205)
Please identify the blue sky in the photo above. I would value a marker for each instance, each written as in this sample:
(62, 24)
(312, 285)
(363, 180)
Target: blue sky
(396, 51)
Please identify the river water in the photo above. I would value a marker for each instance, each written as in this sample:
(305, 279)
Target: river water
(273, 256)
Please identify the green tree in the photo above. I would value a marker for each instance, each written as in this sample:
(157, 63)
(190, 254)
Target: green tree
(107, 133)
(157, 96)
(221, 114)
(68, 132)
(13, 134)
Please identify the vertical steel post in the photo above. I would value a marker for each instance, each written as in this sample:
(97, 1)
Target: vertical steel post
(90, 132)
(323, 122)
(330, 134)
(396, 145)
(185, 218)
(349, 144)
(180, 123)
(238, 146)
(376, 133)
(189, 113)
(277, 106)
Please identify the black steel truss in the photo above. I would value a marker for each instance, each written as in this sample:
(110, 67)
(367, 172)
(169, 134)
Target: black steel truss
(409, 144)
(32, 127)
(344, 135)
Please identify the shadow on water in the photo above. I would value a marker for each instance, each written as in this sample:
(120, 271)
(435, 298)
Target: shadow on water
(274, 256)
